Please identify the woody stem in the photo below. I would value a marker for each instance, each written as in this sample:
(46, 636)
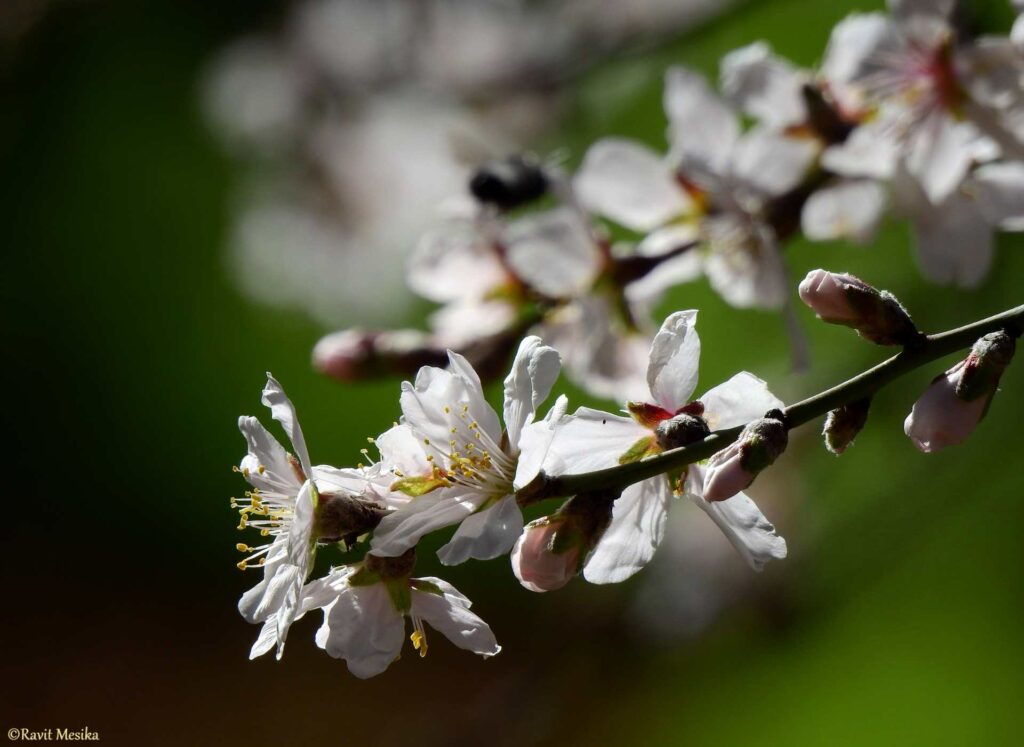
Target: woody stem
(864, 384)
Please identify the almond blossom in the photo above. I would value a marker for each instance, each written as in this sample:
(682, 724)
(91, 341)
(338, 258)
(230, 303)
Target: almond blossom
(715, 178)
(591, 439)
(457, 464)
(286, 500)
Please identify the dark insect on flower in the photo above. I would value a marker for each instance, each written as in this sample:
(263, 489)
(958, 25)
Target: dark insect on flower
(509, 183)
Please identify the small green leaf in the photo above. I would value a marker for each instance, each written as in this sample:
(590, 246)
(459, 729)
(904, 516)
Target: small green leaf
(646, 446)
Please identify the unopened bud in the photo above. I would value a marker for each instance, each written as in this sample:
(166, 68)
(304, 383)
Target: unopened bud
(844, 423)
(983, 368)
(550, 551)
(354, 354)
(877, 315)
(734, 468)
(955, 402)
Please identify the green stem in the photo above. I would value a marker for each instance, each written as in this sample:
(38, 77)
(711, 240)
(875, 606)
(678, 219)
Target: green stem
(863, 385)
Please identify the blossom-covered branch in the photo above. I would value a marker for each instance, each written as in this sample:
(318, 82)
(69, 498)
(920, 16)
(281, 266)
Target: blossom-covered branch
(859, 387)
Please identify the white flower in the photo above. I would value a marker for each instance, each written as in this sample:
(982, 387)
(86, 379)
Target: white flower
(715, 178)
(458, 465)
(364, 621)
(590, 440)
(282, 505)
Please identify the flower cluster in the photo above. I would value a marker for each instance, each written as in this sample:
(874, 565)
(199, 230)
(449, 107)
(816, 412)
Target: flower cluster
(907, 112)
(554, 269)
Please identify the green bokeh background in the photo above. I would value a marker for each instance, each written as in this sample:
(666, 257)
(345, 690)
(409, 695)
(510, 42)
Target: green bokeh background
(130, 353)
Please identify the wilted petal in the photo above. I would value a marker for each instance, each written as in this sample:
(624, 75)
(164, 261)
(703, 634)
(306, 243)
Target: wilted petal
(636, 530)
(630, 184)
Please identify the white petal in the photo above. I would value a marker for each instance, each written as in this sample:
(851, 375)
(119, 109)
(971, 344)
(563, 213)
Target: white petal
(453, 262)
(764, 85)
(553, 252)
(670, 272)
(401, 450)
(744, 525)
(703, 128)
(954, 242)
(300, 531)
(486, 534)
(283, 411)
(630, 184)
(870, 151)
(939, 156)
(854, 41)
(277, 475)
(402, 529)
(266, 597)
(534, 371)
(772, 162)
(847, 209)
(938, 9)
(455, 622)
(1000, 193)
(479, 410)
(744, 265)
(535, 441)
(461, 323)
(266, 640)
(636, 530)
(737, 401)
(675, 358)
(363, 627)
(441, 400)
(590, 440)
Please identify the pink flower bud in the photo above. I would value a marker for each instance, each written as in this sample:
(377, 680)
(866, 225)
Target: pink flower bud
(534, 561)
(825, 293)
(725, 475)
(735, 467)
(843, 299)
(941, 418)
(355, 354)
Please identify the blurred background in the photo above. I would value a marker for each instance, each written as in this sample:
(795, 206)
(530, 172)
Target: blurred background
(193, 193)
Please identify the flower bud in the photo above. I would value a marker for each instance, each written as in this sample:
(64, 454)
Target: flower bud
(955, 402)
(534, 561)
(844, 423)
(550, 551)
(354, 354)
(734, 468)
(843, 299)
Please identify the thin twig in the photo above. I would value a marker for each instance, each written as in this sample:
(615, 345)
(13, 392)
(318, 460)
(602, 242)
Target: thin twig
(860, 386)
